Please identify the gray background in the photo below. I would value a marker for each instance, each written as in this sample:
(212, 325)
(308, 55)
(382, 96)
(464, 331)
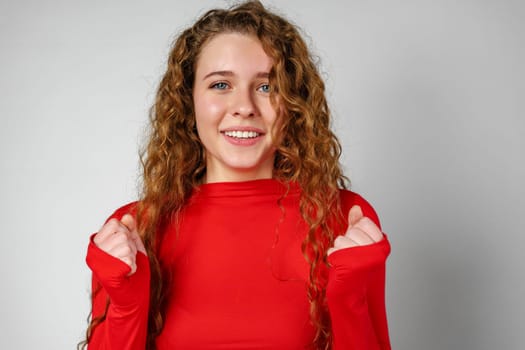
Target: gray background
(428, 99)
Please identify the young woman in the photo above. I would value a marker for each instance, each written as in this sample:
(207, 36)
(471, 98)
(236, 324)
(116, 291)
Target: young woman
(244, 236)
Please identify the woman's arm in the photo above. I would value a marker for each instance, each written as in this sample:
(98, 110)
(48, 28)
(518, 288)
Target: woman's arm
(356, 283)
(121, 277)
(355, 296)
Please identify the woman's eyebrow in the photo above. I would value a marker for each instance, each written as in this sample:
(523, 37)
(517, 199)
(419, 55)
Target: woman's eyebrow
(223, 73)
(229, 73)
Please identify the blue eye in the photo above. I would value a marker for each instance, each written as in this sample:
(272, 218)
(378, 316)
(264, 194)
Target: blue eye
(220, 86)
(265, 88)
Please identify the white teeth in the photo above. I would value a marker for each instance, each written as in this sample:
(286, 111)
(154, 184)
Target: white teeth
(241, 134)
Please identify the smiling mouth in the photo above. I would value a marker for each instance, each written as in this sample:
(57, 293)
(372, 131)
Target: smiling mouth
(242, 134)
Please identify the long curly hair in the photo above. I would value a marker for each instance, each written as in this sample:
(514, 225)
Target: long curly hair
(308, 153)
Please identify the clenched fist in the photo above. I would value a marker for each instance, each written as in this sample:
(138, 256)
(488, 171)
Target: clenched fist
(361, 231)
(121, 240)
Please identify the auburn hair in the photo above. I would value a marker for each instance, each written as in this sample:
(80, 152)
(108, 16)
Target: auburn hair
(308, 151)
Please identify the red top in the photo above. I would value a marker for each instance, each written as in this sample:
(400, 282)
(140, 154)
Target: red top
(239, 278)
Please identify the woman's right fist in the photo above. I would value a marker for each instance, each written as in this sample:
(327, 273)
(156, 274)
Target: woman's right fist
(121, 240)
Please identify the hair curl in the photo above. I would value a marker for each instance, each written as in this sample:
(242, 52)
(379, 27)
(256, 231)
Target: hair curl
(308, 153)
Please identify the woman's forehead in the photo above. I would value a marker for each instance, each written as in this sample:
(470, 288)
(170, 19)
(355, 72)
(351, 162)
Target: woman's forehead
(233, 52)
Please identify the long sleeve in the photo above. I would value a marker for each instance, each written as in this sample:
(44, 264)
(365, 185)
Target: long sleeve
(356, 291)
(125, 325)
(356, 300)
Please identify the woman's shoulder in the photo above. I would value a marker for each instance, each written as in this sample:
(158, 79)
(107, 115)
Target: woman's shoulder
(129, 208)
(350, 198)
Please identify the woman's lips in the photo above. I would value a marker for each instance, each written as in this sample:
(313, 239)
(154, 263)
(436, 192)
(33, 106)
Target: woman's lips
(243, 136)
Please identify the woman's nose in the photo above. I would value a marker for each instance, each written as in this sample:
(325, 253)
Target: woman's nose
(244, 104)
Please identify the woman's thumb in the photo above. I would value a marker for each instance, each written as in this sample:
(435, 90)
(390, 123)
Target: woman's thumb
(354, 215)
(129, 222)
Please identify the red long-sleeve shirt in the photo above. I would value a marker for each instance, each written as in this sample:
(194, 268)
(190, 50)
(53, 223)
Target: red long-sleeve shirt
(239, 278)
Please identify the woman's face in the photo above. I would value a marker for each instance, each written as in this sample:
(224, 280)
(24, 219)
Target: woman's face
(233, 112)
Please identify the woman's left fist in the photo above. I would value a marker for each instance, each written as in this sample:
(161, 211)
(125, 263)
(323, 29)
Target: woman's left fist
(361, 231)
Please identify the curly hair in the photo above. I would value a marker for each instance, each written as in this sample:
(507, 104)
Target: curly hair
(308, 153)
